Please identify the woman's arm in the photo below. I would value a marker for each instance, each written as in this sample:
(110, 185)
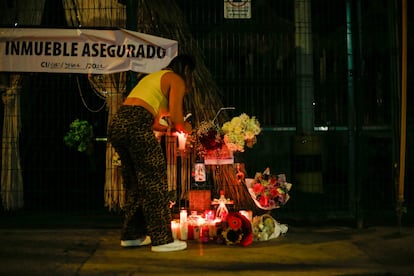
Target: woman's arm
(176, 89)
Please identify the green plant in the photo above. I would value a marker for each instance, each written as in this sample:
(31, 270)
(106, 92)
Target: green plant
(79, 136)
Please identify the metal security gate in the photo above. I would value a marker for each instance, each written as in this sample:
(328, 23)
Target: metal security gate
(255, 64)
(346, 166)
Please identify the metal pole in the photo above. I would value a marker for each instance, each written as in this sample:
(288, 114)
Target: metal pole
(220, 110)
(351, 107)
(400, 199)
(360, 165)
(131, 24)
(304, 68)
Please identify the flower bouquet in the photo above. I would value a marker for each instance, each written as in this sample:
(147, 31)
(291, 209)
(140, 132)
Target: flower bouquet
(211, 145)
(241, 131)
(269, 191)
(216, 144)
(210, 136)
(219, 143)
(265, 227)
(235, 229)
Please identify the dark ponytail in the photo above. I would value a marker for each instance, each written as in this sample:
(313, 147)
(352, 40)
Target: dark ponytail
(180, 63)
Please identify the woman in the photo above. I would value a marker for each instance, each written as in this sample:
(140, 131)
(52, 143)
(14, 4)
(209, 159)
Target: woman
(148, 216)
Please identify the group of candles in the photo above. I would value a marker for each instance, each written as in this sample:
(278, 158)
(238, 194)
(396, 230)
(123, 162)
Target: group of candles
(202, 227)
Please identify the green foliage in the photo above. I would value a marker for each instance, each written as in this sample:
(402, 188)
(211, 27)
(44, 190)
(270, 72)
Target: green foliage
(79, 136)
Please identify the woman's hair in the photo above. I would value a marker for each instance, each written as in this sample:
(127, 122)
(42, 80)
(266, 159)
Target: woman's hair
(180, 63)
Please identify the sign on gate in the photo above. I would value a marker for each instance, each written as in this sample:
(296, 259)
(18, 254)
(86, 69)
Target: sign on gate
(86, 51)
(237, 9)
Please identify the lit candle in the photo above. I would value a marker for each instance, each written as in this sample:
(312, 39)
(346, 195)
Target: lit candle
(205, 236)
(183, 225)
(182, 140)
(183, 216)
(212, 230)
(175, 229)
(209, 215)
(196, 232)
(184, 231)
(190, 232)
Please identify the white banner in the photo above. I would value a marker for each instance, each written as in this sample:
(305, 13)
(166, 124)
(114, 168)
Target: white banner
(83, 51)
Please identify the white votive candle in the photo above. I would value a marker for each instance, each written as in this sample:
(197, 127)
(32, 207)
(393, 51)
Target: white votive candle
(175, 229)
(182, 140)
(183, 216)
(183, 225)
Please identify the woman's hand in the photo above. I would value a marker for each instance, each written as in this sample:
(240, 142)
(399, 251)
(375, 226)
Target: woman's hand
(183, 127)
(160, 125)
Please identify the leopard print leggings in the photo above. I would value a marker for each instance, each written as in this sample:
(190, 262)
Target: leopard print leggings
(144, 172)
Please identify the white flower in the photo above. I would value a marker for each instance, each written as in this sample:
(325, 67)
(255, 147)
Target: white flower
(238, 130)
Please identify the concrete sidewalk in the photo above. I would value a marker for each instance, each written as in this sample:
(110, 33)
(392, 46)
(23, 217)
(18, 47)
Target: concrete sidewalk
(302, 251)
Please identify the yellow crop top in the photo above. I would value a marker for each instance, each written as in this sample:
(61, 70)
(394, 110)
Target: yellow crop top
(149, 90)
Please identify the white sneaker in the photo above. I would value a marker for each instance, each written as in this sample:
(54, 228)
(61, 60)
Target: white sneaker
(137, 242)
(176, 245)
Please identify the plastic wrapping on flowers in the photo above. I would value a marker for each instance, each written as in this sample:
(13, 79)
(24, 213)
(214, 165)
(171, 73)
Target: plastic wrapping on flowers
(265, 227)
(269, 191)
(235, 229)
(237, 133)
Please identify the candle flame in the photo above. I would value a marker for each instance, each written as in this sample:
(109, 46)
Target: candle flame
(182, 139)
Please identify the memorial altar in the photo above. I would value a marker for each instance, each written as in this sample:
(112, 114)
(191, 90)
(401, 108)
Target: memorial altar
(234, 209)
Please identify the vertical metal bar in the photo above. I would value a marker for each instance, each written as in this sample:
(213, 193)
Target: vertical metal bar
(360, 166)
(400, 198)
(351, 108)
(131, 24)
(131, 15)
(304, 67)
